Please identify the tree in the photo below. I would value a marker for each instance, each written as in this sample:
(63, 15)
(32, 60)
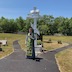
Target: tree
(28, 23)
(12, 26)
(20, 23)
(43, 29)
(1, 30)
(47, 25)
(46, 22)
(64, 27)
(9, 26)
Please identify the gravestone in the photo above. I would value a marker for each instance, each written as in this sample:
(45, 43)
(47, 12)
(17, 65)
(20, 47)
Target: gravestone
(4, 42)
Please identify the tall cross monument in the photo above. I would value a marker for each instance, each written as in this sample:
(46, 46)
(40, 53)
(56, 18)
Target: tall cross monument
(35, 15)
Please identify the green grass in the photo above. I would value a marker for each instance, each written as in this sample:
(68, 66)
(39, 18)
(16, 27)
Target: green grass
(53, 45)
(54, 39)
(67, 39)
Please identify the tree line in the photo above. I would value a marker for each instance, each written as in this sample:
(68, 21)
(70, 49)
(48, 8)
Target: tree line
(47, 25)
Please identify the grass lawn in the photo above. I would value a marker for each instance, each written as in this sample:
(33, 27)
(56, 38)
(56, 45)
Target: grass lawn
(53, 45)
(66, 39)
(64, 60)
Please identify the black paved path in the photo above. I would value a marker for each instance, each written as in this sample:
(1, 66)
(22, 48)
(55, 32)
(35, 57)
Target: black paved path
(50, 55)
(16, 62)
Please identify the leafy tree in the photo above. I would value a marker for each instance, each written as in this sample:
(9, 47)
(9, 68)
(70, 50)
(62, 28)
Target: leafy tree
(20, 23)
(1, 30)
(47, 25)
(43, 29)
(28, 24)
(12, 26)
(8, 26)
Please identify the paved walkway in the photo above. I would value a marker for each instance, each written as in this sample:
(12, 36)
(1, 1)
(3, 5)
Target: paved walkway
(50, 55)
(17, 62)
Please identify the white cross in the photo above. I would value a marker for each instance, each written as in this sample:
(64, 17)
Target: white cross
(34, 14)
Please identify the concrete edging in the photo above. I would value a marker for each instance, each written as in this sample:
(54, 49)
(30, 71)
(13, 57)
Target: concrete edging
(58, 64)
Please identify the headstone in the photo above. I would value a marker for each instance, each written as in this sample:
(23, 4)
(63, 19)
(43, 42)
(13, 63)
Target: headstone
(4, 42)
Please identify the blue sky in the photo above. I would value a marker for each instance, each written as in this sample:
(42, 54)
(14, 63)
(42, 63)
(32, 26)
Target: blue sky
(16, 8)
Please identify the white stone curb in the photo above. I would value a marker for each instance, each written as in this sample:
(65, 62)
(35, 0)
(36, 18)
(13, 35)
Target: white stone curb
(58, 64)
(6, 55)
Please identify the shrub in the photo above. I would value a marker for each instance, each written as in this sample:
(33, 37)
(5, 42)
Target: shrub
(59, 42)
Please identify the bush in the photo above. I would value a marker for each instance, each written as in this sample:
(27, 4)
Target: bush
(59, 42)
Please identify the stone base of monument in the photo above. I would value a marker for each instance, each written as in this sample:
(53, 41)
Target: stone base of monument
(38, 50)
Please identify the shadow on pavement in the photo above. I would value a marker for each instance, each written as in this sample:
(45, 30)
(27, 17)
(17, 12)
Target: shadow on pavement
(37, 59)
